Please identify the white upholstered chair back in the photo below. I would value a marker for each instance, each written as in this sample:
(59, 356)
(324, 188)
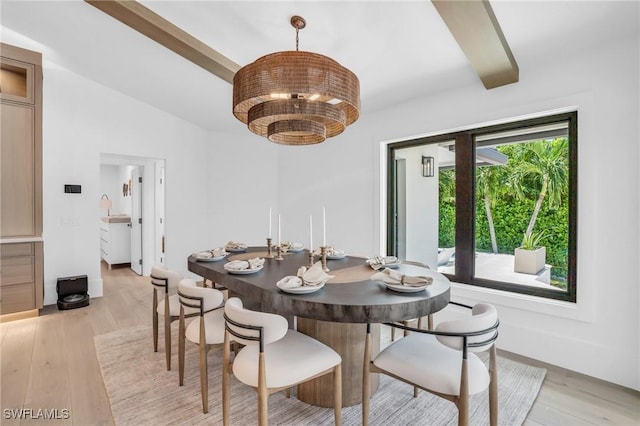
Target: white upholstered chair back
(161, 276)
(165, 303)
(274, 327)
(196, 297)
(483, 317)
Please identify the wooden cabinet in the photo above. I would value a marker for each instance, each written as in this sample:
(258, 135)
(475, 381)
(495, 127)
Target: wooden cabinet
(17, 171)
(20, 277)
(21, 269)
(115, 243)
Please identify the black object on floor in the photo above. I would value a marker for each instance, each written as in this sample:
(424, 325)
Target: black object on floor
(72, 292)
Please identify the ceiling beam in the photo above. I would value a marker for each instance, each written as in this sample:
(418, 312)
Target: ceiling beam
(478, 33)
(158, 29)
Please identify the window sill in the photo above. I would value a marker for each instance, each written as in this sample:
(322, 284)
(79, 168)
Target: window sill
(558, 308)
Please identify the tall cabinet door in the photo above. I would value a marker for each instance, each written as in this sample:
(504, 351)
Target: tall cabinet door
(17, 171)
(21, 244)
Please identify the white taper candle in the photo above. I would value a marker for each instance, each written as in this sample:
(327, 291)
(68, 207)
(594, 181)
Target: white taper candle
(310, 233)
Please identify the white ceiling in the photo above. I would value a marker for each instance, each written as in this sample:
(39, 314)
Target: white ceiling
(399, 49)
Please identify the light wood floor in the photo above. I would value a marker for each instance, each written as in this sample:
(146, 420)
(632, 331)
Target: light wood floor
(50, 363)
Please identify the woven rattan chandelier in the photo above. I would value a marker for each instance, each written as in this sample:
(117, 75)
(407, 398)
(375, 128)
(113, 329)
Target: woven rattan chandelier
(296, 97)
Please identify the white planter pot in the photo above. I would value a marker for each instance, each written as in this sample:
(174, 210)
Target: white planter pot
(529, 261)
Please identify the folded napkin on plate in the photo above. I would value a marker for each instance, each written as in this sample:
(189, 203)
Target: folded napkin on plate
(390, 276)
(208, 254)
(314, 275)
(288, 245)
(203, 254)
(239, 265)
(291, 282)
(331, 251)
(218, 251)
(235, 245)
(256, 262)
(285, 244)
(380, 262)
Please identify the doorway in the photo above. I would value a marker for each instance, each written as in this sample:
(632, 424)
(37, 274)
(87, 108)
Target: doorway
(135, 188)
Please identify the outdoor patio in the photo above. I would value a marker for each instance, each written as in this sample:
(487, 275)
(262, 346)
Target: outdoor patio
(499, 267)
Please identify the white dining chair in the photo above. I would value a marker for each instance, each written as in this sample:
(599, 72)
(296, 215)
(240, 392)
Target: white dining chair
(442, 361)
(165, 282)
(275, 358)
(206, 331)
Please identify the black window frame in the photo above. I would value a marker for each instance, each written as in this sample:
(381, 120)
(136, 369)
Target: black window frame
(465, 150)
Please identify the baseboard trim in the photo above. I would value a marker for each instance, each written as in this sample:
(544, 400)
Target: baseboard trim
(19, 315)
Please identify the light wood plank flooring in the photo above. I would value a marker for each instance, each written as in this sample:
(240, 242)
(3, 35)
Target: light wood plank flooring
(50, 363)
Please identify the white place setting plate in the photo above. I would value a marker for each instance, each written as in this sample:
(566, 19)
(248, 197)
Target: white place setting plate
(336, 256)
(302, 289)
(243, 271)
(210, 255)
(404, 288)
(384, 262)
(296, 249)
(391, 262)
(235, 249)
(210, 259)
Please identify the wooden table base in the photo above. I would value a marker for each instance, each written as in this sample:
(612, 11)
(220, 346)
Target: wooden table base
(348, 340)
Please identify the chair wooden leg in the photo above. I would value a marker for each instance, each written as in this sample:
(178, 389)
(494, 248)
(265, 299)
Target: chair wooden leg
(204, 376)
(226, 371)
(337, 394)
(167, 332)
(430, 322)
(154, 320)
(493, 387)
(365, 378)
(287, 393)
(263, 394)
(463, 402)
(415, 391)
(181, 337)
(393, 334)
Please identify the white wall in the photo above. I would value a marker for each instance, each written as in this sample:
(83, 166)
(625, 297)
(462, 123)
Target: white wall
(599, 335)
(81, 120)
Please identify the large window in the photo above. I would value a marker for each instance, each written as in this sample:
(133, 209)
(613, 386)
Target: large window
(493, 206)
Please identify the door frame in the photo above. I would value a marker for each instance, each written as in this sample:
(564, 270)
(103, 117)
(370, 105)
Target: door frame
(151, 209)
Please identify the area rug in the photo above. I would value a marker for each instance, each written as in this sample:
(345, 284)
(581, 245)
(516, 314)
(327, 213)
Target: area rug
(142, 392)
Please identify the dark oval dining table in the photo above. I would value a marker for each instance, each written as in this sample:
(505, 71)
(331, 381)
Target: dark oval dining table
(336, 314)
